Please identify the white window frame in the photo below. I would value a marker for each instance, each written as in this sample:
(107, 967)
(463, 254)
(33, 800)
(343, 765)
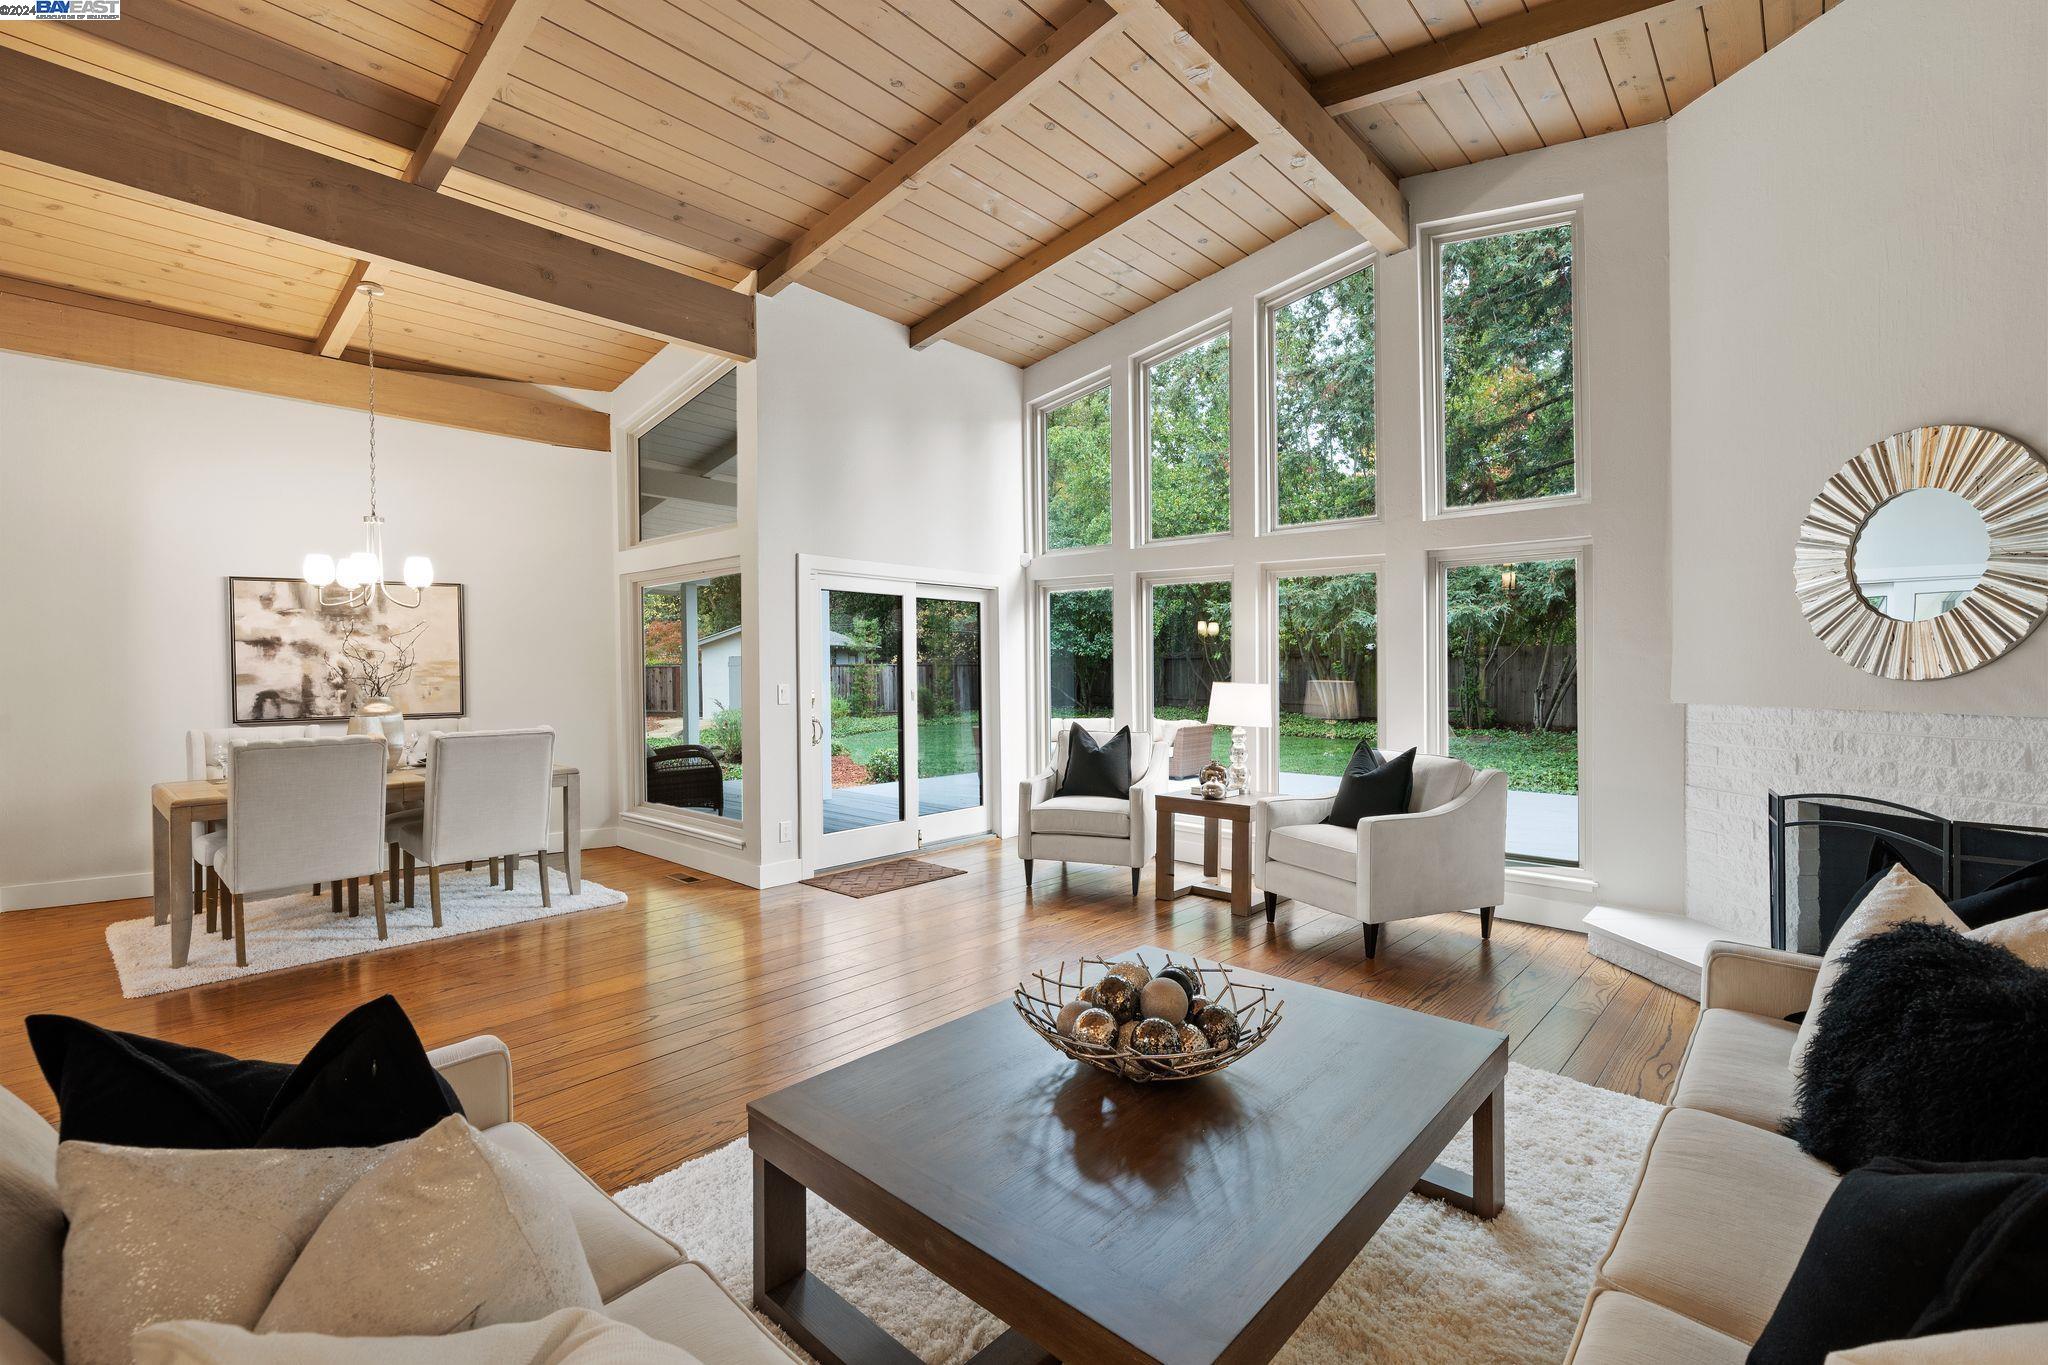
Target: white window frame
(1435, 237)
(1266, 755)
(1142, 365)
(1146, 582)
(1041, 657)
(677, 396)
(1037, 519)
(1269, 305)
(1578, 549)
(717, 828)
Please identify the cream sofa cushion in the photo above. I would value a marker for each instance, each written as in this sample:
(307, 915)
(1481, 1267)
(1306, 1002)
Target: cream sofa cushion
(1099, 817)
(445, 1234)
(622, 1251)
(1898, 898)
(162, 1234)
(31, 1225)
(1736, 1067)
(573, 1336)
(685, 1306)
(2024, 1344)
(2025, 936)
(1621, 1329)
(1720, 1215)
(1329, 849)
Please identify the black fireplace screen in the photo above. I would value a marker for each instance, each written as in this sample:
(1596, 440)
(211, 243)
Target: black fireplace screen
(1822, 846)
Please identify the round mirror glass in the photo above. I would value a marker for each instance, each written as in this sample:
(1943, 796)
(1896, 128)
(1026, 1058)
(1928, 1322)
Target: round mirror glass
(1920, 554)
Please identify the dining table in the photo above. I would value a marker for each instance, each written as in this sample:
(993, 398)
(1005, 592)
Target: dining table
(176, 806)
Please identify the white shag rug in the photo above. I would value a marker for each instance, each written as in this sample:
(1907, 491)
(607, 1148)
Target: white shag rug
(1434, 1284)
(292, 931)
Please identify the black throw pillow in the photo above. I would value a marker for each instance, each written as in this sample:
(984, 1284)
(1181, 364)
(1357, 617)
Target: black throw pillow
(367, 1082)
(1097, 769)
(1365, 792)
(1930, 1049)
(1912, 1249)
(2019, 892)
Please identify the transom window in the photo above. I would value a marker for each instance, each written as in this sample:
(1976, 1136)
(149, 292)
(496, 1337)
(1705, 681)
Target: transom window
(1322, 350)
(1075, 439)
(1505, 419)
(1187, 426)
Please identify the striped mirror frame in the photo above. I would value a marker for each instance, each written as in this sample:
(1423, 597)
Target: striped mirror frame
(2005, 481)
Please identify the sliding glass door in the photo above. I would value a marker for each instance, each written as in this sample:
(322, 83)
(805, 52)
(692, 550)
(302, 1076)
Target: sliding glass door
(896, 749)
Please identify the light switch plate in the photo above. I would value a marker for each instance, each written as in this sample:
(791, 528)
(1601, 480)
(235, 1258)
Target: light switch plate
(787, 829)
(782, 694)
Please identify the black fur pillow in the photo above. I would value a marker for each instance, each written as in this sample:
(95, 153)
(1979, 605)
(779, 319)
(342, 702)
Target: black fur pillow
(1930, 1049)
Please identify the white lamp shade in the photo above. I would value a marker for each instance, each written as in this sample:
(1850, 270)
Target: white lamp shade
(319, 570)
(419, 571)
(349, 573)
(366, 567)
(1249, 704)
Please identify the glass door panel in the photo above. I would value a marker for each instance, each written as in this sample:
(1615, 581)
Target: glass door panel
(949, 776)
(862, 755)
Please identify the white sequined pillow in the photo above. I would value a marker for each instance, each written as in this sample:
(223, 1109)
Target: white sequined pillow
(445, 1234)
(159, 1234)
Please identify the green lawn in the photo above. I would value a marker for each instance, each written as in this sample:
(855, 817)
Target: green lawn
(945, 745)
(1534, 762)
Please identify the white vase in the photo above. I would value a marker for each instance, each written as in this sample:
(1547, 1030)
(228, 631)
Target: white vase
(381, 716)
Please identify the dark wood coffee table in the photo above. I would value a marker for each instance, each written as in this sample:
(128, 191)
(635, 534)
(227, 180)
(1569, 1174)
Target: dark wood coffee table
(1104, 1220)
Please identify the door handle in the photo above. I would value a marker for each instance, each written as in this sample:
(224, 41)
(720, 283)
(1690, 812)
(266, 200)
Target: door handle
(817, 732)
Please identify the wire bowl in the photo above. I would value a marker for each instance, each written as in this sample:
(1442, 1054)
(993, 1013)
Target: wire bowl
(1041, 998)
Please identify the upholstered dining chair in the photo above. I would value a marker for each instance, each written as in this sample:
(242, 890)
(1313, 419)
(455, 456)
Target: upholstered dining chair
(487, 797)
(1095, 829)
(301, 811)
(205, 756)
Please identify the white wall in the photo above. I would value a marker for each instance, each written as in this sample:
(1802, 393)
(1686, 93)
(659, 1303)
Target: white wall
(1859, 244)
(1632, 738)
(129, 500)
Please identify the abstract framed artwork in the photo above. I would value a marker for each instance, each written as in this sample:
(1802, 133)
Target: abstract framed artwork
(286, 663)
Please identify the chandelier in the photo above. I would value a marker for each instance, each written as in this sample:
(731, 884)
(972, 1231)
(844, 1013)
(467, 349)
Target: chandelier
(357, 580)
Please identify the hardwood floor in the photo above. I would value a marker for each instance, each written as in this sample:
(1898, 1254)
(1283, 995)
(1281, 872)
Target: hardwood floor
(639, 1033)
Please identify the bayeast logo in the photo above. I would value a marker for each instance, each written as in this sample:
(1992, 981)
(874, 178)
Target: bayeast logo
(74, 11)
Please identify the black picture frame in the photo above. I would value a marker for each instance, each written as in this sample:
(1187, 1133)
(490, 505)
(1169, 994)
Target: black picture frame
(295, 582)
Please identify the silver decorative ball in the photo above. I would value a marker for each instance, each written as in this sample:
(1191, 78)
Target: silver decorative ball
(1123, 1035)
(1163, 999)
(1155, 1038)
(1117, 995)
(1218, 1024)
(1088, 994)
(1072, 1011)
(1192, 1040)
(1196, 1004)
(1095, 1027)
(1137, 973)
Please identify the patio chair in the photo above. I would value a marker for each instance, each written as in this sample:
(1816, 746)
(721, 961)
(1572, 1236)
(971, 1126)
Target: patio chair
(688, 776)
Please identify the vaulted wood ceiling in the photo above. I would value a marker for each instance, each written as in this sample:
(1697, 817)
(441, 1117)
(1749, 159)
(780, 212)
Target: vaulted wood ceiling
(1010, 175)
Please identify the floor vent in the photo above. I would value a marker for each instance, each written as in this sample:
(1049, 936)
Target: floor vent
(686, 878)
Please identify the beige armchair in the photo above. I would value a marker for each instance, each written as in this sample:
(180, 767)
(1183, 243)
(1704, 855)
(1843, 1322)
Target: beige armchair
(1095, 829)
(1447, 852)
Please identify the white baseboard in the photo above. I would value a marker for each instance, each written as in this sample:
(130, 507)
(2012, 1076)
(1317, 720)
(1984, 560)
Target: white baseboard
(121, 886)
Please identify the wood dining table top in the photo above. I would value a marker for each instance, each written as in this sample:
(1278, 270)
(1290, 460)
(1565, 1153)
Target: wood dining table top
(213, 791)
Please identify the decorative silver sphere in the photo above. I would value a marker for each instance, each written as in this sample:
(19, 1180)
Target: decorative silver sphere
(1192, 1040)
(1218, 1024)
(1117, 995)
(1155, 1038)
(1137, 973)
(1071, 1011)
(1095, 1027)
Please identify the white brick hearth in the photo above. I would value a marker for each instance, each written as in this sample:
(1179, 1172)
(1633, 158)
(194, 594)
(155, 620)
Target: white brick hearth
(1960, 767)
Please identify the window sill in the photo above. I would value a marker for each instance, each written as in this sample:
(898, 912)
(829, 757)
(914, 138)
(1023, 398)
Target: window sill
(728, 834)
(1558, 879)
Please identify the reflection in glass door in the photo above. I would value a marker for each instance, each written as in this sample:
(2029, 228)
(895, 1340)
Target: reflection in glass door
(863, 745)
(949, 772)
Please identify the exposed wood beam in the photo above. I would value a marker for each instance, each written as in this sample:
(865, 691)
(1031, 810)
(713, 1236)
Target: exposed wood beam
(498, 44)
(1221, 153)
(35, 322)
(93, 127)
(1472, 49)
(143, 312)
(347, 313)
(1222, 46)
(664, 481)
(1021, 82)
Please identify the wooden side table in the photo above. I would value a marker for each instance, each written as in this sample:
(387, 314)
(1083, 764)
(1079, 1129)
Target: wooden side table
(1236, 811)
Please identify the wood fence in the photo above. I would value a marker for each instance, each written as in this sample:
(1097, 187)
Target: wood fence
(663, 693)
(960, 682)
(1520, 689)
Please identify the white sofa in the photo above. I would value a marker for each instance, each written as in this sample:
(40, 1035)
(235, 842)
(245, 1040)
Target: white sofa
(645, 1279)
(1447, 852)
(1095, 829)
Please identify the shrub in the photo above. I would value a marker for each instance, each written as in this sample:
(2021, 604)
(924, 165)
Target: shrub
(884, 765)
(722, 733)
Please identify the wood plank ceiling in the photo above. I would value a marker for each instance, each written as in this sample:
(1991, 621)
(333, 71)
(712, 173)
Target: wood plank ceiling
(707, 136)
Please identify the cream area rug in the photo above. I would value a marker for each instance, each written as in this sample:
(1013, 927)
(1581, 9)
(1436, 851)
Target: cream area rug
(292, 931)
(1434, 1284)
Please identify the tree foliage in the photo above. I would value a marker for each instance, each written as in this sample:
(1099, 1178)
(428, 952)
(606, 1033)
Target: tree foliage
(661, 615)
(1188, 397)
(1081, 637)
(1329, 626)
(1491, 622)
(1507, 359)
(1176, 610)
(1323, 402)
(1077, 472)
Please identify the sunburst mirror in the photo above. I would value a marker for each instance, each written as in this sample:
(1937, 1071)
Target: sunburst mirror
(1926, 556)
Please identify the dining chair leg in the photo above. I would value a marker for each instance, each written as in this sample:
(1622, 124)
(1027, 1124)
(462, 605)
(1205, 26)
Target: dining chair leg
(241, 933)
(511, 870)
(434, 891)
(316, 888)
(377, 896)
(212, 901)
(469, 864)
(198, 884)
(355, 897)
(394, 872)
(494, 872)
(540, 860)
(412, 872)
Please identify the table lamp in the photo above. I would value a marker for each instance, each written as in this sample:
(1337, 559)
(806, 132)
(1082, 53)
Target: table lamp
(1239, 705)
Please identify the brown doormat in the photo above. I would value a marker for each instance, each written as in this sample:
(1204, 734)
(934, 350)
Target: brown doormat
(876, 878)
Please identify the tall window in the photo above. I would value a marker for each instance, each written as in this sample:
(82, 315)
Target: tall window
(1190, 655)
(688, 464)
(692, 642)
(1513, 632)
(1075, 439)
(1323, 402)
(1328, 627)
(1505, 336)
(1080, 652)
(1187, 424)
